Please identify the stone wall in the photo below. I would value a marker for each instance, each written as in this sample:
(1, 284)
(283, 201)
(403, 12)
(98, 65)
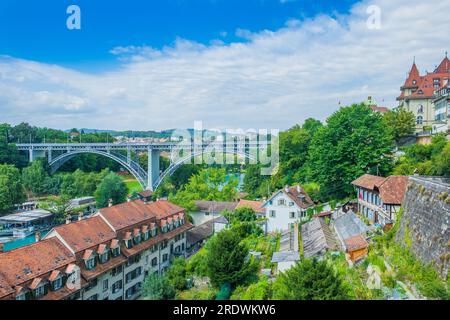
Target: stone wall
(424, 226)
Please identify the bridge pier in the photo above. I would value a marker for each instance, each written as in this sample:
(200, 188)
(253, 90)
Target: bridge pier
(33, 154)
(153, 168)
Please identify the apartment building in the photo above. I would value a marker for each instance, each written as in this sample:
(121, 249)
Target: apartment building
(379, 198)
(112, 252)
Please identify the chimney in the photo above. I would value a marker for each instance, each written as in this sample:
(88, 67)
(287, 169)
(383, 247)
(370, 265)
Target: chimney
(128, 199)
(2, 246)
(110, 203)
(37, 236)
(299, 189)
(286, 189)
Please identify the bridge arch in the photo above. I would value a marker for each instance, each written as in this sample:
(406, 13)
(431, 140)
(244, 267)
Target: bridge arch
(176, 164)
(133, 167)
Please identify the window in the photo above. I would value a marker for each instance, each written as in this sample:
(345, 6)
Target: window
(137, 239)
(419, 120)
(92, 284)
(90, 263)
(414, 82)
(115, 252)
(128, 243)
(94, 297)
(154, 232)
(272, 213)
(39, 291)
(164, 228)
(146, 235)
(116, 286)
(104, 257)
(115, 271)
(133, 274)
(133, 290)
(420, 109)
(57, 284)
(291, 203)
(177, 249)
(164, 245)
(154, 262)
(21, 296)
(281, 202)
(165, 257)
(292, 215)
(182, 247)
(105, 285)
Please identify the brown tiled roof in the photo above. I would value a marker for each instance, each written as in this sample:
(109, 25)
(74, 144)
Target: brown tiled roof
(164, 208)
(54, 275)
(355, 243)
(294, 195)
(101, 248)
(215, 206)
(255, 205)
(128, 214)
(86, 233)
(368, 181)
(5, 288)
(35, 283)
(393, 189)
(87, 254)
(23, 264)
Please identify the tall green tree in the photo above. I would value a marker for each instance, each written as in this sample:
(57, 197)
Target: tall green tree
(354, 141)
(112, 187)
(401, 122)
(158, 287)
(11, 188)
(59, 206)
(226, 259)
(176, 274)
(34, 177)
(310, 279)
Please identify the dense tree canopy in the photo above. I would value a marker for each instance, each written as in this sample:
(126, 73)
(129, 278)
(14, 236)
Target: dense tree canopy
(112, 187)
(354, 141)
(158, 287)
(310, 280)
(401, 122)
(11, 188)
(226, 259)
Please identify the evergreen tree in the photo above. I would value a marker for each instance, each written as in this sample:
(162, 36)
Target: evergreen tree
(310, 279)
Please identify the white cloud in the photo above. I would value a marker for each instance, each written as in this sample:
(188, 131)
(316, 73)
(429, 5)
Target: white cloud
(273, 80)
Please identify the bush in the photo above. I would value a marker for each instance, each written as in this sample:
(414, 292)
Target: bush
(158, 287)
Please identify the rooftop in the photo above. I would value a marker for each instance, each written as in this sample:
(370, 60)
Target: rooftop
(86, 233)
(316, 238)
(255, 205)
(349, 225)
(285, 256)
(26, 216)
(215, 206)
(26, 263)
(392, 189)
(127, 214)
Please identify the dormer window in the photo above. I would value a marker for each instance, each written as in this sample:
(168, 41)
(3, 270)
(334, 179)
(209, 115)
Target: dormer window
(89, 259)
(21, 296)
(420, 92)
(56, 280)
(39, 291)
(115, 248)
(128, 243)
(90, 263)
(104, 257)
(137, 236)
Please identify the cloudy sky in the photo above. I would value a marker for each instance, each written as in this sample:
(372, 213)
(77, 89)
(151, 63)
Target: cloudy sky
(266, 64)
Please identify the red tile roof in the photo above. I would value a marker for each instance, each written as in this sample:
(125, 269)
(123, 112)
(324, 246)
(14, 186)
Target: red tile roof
(127, 214)
(392, 189)
(413, 75)
(35, 260)
(368, 181)
(355, 243)
(164, 208)
(5, 288)
(54, 275)
(86, 233)
(101, 248)
(295, 196)
(255, 205)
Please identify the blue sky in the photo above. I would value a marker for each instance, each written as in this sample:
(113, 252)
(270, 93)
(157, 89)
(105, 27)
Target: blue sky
(151, 65)
(36, 30)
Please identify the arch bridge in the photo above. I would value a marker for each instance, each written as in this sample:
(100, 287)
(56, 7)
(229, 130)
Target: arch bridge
(180, 153)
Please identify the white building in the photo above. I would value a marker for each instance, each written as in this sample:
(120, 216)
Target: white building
(286, 207)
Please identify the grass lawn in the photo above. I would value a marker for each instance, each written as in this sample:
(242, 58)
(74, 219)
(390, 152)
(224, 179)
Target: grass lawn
(131, 183)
